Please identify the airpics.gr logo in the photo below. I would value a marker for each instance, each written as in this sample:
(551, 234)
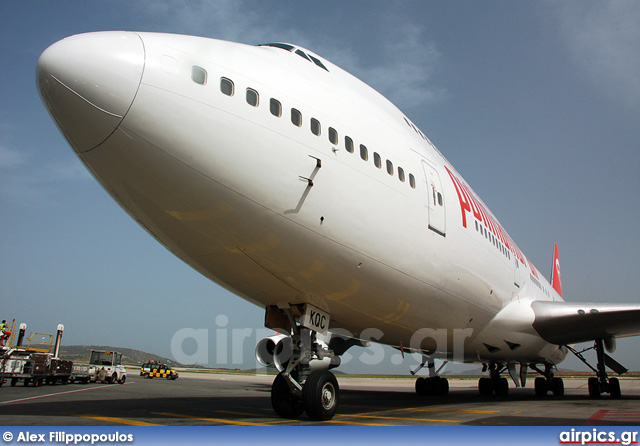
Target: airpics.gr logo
(601, 437)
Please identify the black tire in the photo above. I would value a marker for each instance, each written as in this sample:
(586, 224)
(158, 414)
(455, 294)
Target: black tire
(557, 386)
(502, 387)
(283, 401)
(485, 386)
(440, 386)
(540, 385)
(321, 395)
(594, 388)
(123, 379)
(26, 382)
(14, 381)
(423, 387)
(614, 388)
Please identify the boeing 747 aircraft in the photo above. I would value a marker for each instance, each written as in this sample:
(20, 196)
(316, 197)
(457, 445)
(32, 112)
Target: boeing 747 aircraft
(298, 187)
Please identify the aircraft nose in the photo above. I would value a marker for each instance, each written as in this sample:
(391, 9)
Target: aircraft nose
(88, 83)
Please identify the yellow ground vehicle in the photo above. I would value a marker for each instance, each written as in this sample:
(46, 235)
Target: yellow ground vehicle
(157, 370)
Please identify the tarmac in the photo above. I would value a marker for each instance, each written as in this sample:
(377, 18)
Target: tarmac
(244, 400)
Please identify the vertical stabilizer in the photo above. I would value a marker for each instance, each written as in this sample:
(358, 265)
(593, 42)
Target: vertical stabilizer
(555, 271)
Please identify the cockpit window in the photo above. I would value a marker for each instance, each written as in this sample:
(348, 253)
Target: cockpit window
(302, 54)
(317, 62)
(299, 52)
(284, 46)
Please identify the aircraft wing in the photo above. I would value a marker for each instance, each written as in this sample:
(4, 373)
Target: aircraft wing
(567, 323)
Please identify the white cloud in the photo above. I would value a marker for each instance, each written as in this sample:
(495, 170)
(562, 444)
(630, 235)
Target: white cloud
(604, 37)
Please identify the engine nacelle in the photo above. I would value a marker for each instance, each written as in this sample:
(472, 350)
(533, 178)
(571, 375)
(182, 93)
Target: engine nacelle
(275, 351)
(268, 349)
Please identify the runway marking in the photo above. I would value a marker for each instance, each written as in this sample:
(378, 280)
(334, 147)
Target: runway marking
(378, 417)
(117, 420)
(622, 416)
(211, 420)
(355, 423)
(62, 393)
(451, 410)
(244, 414)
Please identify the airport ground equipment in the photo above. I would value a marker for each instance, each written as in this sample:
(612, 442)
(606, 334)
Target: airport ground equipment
(106, 367)
(154, 369)
(80, 373)
(35, 363)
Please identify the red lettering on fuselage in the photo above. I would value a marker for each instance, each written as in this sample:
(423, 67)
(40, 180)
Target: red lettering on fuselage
(470, 204)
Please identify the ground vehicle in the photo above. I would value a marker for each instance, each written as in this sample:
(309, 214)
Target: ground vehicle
(106, 366)
(153, 369)
(34, 363)
(80, 373)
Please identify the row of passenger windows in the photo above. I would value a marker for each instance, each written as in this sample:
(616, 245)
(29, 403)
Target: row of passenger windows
(227, 87)
(493, 239)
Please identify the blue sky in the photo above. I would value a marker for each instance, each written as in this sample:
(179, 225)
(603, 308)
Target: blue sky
(537, 104)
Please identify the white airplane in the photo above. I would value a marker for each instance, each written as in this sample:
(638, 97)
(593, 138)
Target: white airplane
(296, 186)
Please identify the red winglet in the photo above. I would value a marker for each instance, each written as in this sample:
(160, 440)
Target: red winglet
(555, 271)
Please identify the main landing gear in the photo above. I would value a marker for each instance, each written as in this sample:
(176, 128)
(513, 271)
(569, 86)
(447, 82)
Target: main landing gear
(434, 384)
(549, 383)
(495, 384)
(306, 384)
(601, 383)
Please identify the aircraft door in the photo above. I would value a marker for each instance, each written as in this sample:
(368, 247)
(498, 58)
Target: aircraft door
(434, 200)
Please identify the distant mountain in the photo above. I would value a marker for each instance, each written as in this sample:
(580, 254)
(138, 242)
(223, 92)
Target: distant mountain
(81, 354)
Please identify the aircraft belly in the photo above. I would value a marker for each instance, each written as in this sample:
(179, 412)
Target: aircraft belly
(261, 255)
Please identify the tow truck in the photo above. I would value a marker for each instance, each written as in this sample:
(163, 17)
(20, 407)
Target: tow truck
(104, 366)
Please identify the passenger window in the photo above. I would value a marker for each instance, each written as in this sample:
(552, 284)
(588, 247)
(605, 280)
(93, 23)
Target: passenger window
(412, 181)
(377, 161)
(252, 97)
(348, 144)
(401, 174)
(389, 167)
(439, 198)
(364, 153)
(296, 117)
(315, 126)
(333, 136)
(226, 86)
(199, 75)
(275, 107)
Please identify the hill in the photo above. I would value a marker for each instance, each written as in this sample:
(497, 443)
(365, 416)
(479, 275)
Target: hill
(81, 354)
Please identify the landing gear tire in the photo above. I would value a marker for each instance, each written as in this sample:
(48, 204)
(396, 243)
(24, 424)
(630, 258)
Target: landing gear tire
(432, 386)
(320, 395)
(614, 388)
(502, 387)
(440, 386)
(283, 401)
(557, 386)
(594, 388)
(485, 386)
(540, 386)
(422, 387)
